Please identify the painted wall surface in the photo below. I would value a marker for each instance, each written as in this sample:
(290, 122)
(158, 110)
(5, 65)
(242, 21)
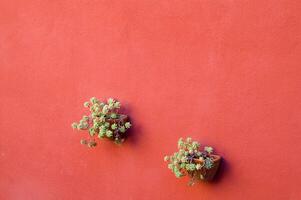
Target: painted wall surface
(225, 72)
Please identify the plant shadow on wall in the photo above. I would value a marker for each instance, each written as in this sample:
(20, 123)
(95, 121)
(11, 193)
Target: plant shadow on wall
(104, 121)
(191, 161)
(222, 171)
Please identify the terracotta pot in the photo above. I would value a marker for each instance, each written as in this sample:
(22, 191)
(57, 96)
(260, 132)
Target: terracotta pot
(208, 174)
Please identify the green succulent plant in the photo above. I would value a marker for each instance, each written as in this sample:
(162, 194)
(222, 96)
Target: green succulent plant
(190, 160)
(104, 121)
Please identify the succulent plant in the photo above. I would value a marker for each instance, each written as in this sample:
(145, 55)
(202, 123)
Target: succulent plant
(190, 160)
(104, 121)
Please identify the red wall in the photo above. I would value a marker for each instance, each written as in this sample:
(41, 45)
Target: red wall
(224, 72)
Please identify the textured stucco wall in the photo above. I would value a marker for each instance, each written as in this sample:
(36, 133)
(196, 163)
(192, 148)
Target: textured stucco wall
(225, 72)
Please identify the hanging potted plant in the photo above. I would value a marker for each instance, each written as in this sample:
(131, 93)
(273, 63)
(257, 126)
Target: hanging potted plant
(104, 121)
(193, 162)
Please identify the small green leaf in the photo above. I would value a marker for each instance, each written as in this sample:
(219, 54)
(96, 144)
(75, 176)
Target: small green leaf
(208, 163)
(94, 100)
(180, 143)
(188, 139)
(80, 126)
(117, 104)
(113, 116)
(127, 125)
(85, 118)
(166, 158)
(105, 109)
(83, 141)
(122, 129)
(109, 133)
(102, 132)
(91, 131)
(74, 125)
(114, 126)
(111, 101)
(208, 149)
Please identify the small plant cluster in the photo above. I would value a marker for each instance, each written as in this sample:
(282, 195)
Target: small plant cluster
(190, 160)
(104, 121)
